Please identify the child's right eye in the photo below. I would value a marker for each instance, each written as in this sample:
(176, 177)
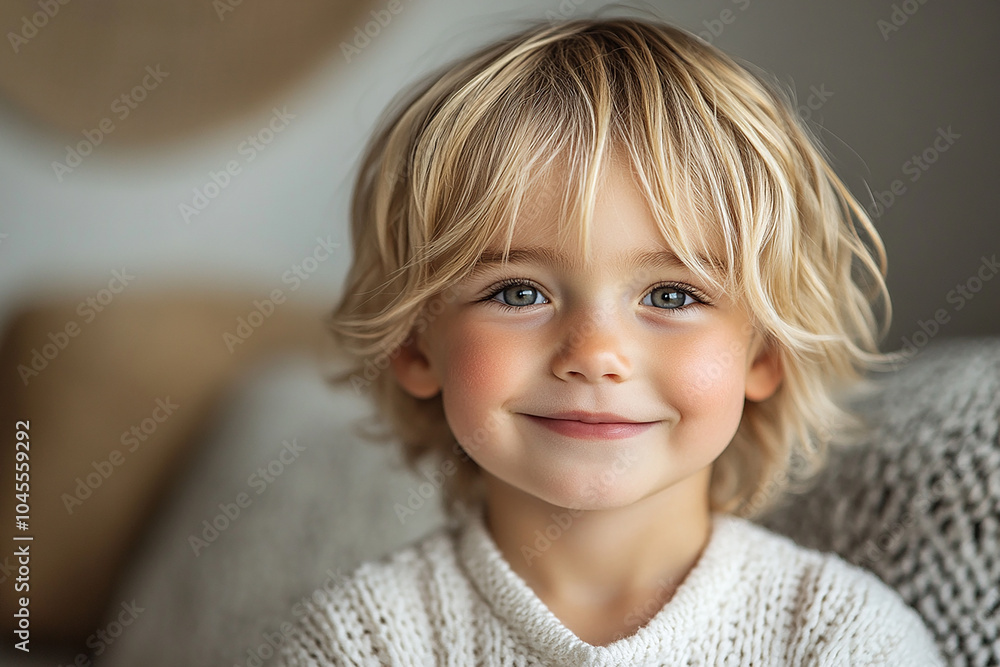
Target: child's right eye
(516, 293)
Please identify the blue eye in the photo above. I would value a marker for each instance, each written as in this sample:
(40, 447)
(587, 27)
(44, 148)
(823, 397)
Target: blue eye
(668, 297)
(518, 294)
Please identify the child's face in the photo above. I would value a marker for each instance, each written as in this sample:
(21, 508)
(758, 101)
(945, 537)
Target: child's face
(525, 369)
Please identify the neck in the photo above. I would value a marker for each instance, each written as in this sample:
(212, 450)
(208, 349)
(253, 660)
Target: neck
(602, 557)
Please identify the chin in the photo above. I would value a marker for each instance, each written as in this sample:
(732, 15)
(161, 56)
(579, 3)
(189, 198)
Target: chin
(593, 494)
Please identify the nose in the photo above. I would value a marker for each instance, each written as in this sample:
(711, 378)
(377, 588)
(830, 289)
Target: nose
(593, 349)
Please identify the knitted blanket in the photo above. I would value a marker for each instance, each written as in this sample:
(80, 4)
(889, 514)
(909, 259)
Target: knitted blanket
(917, 502)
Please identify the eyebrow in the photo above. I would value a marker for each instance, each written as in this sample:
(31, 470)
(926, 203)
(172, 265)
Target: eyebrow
(634, 258)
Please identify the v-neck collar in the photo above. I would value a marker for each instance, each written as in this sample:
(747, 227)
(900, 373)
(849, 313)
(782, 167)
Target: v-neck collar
(711, 581)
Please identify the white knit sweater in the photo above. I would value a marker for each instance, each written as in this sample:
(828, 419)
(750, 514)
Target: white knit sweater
(753, 598)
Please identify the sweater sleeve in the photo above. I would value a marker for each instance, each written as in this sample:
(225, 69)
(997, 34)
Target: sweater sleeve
(856, 619)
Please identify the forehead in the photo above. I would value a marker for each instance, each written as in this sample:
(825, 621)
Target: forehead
(558, 223)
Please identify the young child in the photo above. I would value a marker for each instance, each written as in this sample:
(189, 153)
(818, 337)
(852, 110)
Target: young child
(619, 289)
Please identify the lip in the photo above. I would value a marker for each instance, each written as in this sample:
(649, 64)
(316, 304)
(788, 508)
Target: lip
(592, 417)
(592, 425)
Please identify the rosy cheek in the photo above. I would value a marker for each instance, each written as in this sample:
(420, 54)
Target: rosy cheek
(481, 370)
(709, 380)
(477, 361)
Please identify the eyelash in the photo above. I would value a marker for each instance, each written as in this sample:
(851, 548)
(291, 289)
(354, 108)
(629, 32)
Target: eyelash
(490, 297)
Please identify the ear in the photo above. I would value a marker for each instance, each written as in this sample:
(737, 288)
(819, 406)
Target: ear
(765, 373)
(413, 369)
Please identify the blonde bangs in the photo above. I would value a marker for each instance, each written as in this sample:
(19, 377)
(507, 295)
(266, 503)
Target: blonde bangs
(573, 106)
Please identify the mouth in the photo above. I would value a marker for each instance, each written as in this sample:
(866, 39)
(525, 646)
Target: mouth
(592, 425)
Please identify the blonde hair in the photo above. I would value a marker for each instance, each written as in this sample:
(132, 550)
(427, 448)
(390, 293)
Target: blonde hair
(452, 169)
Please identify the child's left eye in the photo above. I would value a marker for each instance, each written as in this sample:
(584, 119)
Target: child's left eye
(669, 297)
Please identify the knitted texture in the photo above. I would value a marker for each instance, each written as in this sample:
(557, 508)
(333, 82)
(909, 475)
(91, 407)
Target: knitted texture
(917, 501)
(753, 598)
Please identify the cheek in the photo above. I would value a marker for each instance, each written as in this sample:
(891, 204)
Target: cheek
(481, 370)
(707, 385)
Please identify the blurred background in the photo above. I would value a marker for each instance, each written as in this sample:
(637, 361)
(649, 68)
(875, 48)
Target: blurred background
(174, 188)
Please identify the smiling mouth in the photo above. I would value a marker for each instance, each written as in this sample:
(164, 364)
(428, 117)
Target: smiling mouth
(592, 426)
